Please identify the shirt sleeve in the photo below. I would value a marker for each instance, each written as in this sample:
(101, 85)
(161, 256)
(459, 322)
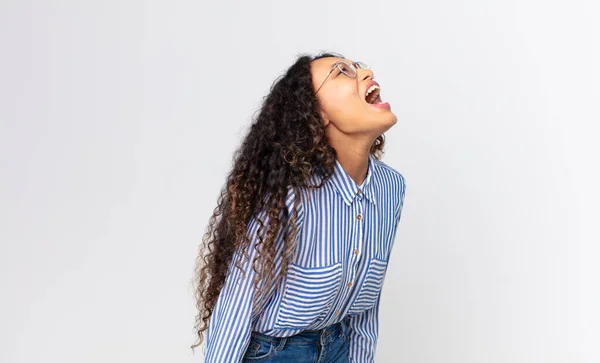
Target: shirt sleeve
(230, 326)
(364, 329)
(400, 203)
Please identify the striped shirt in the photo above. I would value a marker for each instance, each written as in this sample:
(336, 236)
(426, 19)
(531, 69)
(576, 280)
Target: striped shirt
(346, 233)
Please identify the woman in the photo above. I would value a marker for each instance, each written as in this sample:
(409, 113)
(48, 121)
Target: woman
(299, 242)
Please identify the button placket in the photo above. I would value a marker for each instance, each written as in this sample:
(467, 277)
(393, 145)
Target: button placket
(355, 256)
(359, 241)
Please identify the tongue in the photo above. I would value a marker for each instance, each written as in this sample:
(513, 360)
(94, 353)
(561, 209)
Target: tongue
(372, 99)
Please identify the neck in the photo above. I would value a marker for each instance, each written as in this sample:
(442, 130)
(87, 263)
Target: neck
(356, 166)
(354, 158)
(352, 151)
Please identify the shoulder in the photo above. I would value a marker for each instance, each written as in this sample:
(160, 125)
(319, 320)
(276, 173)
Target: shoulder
(293, 200)
(397, 184)
(392, 176)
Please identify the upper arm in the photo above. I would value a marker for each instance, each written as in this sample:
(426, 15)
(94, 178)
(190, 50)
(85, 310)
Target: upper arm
(400, 193)
(229, 331)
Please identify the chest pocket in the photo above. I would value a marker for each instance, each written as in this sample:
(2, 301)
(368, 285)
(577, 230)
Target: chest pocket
(371, 286)
(309, 294)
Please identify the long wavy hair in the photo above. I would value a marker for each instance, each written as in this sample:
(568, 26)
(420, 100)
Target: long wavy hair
(284, 147)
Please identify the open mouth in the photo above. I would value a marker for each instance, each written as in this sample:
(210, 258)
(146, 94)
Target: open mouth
(373, 95)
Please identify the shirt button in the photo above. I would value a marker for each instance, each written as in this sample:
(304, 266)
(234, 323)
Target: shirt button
(338, 312)
(358, 192)
(349, 284)
(359, 217)
(356, 252)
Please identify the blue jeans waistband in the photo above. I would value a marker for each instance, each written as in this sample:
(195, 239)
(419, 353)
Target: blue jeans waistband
(340, 328)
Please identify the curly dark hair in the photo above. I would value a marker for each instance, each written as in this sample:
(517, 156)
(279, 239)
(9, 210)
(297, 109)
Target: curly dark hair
(285, 146)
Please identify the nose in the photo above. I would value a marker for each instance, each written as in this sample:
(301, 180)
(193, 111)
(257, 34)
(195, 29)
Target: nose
(365, 74)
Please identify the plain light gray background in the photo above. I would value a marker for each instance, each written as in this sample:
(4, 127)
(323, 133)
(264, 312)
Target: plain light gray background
(119, 120)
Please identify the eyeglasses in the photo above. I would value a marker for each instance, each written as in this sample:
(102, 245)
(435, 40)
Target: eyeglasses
(346, 68)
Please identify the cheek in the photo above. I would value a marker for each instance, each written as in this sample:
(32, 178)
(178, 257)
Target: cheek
(343, 106)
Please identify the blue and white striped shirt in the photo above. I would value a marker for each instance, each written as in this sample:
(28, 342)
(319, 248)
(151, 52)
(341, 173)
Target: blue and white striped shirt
(346, 233)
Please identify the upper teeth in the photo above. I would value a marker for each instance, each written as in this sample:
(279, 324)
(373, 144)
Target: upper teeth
(371, 89)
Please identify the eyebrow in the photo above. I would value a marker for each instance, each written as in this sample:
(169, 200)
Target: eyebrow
(342, 59)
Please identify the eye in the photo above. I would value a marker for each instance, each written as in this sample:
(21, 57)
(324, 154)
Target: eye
(344, 68)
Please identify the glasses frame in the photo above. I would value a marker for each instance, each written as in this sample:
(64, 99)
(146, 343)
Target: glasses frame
(353, 66)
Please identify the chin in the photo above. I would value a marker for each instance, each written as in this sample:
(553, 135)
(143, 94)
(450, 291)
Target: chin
(393, 118)
(390, 120)
(388, 123)
(382, 127)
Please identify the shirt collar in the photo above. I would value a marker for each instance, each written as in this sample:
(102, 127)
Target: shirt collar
(347, 188)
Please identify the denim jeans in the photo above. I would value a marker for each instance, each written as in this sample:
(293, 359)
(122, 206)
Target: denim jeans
(328, 345)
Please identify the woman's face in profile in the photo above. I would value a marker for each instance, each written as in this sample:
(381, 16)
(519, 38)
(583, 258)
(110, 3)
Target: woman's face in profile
(344, 102)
